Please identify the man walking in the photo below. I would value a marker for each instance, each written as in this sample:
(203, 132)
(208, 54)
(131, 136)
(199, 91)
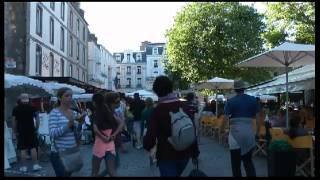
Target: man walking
(137, 107)
(25, 131)
(240, 111)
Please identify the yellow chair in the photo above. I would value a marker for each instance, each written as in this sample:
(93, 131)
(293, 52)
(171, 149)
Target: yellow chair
(278, 133)
(306, 167)
(310, 124)
(216, 129)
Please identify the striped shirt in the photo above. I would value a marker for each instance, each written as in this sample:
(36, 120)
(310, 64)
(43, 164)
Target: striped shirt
(59, 131)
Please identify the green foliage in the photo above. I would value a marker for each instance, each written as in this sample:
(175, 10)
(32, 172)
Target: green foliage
(208, 39)
(290, 20)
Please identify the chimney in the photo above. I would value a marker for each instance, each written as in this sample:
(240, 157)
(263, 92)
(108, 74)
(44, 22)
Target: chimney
(144, 45)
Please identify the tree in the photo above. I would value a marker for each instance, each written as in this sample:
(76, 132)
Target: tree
(208, 39)
(290, 20)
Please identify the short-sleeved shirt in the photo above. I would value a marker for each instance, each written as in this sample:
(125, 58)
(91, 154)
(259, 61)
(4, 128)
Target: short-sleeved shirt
(24, 115)
(242, 106)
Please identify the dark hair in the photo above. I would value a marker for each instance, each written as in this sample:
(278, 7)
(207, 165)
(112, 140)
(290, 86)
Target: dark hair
(110, 97)
(294, 122)
(190, 96)
(162, 86)
(103, 116)
(240, 90)
(60, 93)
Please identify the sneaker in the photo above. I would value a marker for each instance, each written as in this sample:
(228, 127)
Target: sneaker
(36, 167)
(139, 146)
(23, 169)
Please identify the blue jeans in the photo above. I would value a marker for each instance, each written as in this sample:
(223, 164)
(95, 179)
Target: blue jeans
(58, 166)
(172, 167)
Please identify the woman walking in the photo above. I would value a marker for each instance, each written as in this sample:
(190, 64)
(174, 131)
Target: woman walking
(106, 128)
(62, 127)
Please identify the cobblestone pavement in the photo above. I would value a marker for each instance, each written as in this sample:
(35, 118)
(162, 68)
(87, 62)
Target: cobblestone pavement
(214, 160)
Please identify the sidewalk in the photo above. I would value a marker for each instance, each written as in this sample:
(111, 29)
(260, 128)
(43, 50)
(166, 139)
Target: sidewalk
(214, 160)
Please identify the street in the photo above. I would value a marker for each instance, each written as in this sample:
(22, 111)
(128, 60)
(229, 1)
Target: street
(214, 160)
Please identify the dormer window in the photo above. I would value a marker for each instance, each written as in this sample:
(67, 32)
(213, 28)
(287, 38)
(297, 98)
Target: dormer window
(128, 57)
(138, 57)
(118, 57)
(155, 51)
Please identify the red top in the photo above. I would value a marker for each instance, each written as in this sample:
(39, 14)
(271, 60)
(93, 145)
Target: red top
(160, 128)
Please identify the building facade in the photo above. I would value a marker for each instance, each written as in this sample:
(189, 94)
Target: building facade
(138, 69)
(38, 39)
(101, 65)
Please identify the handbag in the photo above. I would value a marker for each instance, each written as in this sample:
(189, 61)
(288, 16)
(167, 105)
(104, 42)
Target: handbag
(70, 158)
(196, 172)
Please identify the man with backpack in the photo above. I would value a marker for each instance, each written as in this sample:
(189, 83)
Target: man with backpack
(171, 130)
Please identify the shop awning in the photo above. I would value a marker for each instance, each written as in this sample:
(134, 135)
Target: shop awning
(299, 79)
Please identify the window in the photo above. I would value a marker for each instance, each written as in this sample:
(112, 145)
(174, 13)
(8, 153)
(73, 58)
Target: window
(155, 65)
(38, 59)
(51, 64)
(62, 67)
(83, 76)
(128, 82)
(118, 57)
(62, 10)
(138, 57)
(71, 20)
(70, 70)
(155, 50)
(78, 71)
(139, 70)
(52, 5)
(78, 27)
(155, 72)
(62, 39)
(39, 20)
(128, 57)
(139, 81)
(51, 30)
(78, 50)
(84, 33)
(84, 56)
(71, 46)
(128, 70)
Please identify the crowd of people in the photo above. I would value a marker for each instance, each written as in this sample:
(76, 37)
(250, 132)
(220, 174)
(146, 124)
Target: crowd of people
(112, 117)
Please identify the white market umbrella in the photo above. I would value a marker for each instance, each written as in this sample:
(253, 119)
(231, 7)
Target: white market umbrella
(55, 86)
(16, 84)
(216, 83)
(286, 55)
(144, 94)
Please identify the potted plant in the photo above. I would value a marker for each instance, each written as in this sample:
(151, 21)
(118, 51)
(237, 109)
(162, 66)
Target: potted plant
(281, 159)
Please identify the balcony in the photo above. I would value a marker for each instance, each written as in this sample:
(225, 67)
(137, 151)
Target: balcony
(128, 86)
(128, 73)
(139, 85)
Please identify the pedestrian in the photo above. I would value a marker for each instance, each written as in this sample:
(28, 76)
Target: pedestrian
(240, 110)
(62, 129)
(171, 162)
(121, 113)
(144, 124)
(137, 107)
(25, 131)
(192, 108)
(106, 128)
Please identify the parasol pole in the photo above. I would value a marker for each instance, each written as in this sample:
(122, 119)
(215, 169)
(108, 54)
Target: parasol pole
(287, 92)
(217, 101)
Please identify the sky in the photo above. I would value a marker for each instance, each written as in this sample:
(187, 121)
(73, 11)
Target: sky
(124, 25)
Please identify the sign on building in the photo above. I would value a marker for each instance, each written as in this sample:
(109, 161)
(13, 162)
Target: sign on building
(10, 63)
